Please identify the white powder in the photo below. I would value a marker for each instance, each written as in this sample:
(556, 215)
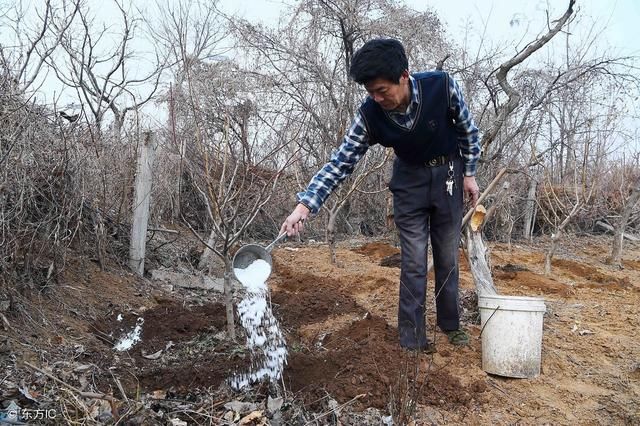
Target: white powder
(264, 338)
(254, 276)
(131, 338)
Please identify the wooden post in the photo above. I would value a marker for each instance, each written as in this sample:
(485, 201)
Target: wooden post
(142, 198)
(207, 253)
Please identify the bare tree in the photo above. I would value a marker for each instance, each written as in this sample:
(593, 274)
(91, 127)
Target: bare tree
(103, 76)
(586, 79)
(187, 32)
(33, 46)
(616, 250)
(579, 201)
(39, 205)
(530, 210)
(514, 96)
(307, 60)
(233, 164)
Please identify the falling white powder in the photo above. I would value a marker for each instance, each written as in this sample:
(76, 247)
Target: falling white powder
(264, 338)
(131, 338)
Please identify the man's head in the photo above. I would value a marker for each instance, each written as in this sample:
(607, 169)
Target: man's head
(381, 66)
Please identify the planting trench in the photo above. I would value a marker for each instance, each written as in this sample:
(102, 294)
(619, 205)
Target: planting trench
(337, 348)
(339, 324)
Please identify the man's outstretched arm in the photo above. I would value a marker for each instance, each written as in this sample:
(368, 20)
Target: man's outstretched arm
(354, 145)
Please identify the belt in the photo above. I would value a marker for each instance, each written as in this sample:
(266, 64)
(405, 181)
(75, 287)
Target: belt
(440, 160)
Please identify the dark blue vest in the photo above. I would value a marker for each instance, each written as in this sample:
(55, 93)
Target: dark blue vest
(432, 133)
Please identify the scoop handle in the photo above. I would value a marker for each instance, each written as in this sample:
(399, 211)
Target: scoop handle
(280, 237)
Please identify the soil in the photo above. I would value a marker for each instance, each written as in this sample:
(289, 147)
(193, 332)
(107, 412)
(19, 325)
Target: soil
(590, 350)
(340, 326)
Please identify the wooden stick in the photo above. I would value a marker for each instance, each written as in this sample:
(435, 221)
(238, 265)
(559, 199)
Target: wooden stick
(484, 195)
(73, 388)
(6, 322)
(166, 231)
(120, 388)
(481, 198)
(355, 398)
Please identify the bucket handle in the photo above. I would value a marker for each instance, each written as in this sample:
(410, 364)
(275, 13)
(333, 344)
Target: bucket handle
(489, 319)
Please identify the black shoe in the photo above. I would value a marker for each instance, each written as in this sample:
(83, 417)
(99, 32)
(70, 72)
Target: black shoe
(429, 348)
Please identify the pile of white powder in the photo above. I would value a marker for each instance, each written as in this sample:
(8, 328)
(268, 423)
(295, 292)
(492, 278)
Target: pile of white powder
(128, 340)
(264, 338)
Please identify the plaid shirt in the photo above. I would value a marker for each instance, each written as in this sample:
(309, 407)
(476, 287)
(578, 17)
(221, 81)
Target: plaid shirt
(356, 143)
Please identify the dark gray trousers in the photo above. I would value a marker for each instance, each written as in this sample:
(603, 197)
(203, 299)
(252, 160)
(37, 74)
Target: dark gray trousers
(422, 209)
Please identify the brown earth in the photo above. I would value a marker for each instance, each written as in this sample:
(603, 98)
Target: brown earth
(590, 351)
(340, 327)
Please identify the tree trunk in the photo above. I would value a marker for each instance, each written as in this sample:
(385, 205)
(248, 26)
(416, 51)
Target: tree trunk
(389, 220)
(618, 237)
(549, 255)
(530, 207)
(555, 237)
(512, 223)
(98, 227)
(504, 220)
(477, 253)
(228, 298)
(142, 200)
(331, 234)
(479, 264)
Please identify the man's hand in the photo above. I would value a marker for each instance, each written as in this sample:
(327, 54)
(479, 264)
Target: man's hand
(471, 189)
(294, 224)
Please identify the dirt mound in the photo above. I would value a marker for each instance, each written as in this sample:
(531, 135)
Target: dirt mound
(364, 360)
(377, 250)
(354, 353)
(589, 273)
(392, 261)
(303, 298)
(632, 264)
(520, 276)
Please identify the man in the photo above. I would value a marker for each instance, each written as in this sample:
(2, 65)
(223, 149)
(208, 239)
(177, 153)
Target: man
(423, 117)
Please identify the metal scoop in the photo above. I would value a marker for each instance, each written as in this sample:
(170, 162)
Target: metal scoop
(252, 252)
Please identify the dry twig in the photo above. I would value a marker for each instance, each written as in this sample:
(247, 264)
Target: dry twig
(92, 395)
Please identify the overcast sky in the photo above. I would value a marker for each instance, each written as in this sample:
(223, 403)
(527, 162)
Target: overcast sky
(507, 23)
(501, 21)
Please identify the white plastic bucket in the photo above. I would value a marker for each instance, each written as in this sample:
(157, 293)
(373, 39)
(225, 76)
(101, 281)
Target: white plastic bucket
(511, 334)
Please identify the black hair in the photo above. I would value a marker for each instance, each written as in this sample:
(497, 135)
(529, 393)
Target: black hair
(379, 58)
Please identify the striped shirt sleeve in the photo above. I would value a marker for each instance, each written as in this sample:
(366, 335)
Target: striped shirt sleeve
(343, 160)
(468, 140)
